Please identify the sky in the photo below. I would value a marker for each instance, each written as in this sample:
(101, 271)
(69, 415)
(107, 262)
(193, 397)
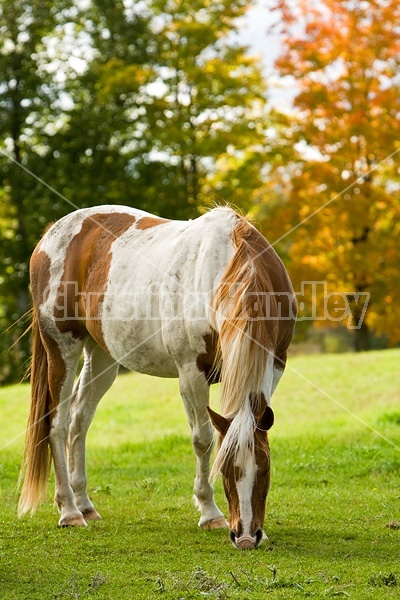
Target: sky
(253, 33)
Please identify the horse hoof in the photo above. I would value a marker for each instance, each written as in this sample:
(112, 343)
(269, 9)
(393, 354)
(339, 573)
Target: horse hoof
(74, 521)
(219, 523)
(91, 514)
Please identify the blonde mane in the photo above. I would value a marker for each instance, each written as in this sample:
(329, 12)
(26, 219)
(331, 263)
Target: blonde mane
(243, 305)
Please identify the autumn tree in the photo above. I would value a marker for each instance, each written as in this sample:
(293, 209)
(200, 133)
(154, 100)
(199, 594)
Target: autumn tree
(339, 173)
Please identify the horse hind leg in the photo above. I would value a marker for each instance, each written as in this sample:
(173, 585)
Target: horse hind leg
(63, 358)
(97, 375)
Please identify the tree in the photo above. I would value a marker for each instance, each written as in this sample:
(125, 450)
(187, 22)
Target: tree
(149, 104)
(62, 140)
(341, 176)
(26, 101)
(91, 155)
(201, 105)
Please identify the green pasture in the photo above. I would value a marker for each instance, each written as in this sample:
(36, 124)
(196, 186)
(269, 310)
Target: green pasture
(333, 513)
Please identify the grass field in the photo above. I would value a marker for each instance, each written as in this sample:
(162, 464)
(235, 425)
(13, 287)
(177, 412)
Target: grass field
(332, 517)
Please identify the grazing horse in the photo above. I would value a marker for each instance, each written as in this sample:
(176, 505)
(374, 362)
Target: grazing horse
(205, 300)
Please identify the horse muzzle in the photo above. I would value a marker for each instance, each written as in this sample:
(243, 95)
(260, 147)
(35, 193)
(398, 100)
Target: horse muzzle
(246, 541)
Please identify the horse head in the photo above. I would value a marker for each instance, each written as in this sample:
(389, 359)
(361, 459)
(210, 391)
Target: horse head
(246, 479)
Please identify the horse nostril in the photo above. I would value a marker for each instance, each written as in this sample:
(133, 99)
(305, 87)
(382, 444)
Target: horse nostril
(259, 536)
(246, 542)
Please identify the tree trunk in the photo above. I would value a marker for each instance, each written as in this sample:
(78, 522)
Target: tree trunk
(362, 338)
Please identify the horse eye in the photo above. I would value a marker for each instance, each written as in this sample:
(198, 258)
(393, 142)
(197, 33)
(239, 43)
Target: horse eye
(263, 470)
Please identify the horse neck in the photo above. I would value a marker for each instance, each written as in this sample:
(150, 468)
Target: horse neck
(245, 338)
(244, 341)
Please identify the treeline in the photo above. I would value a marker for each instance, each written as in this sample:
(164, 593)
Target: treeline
(104, 101)
(156, 104)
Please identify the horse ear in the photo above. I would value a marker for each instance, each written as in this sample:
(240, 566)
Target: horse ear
(266, 420)
(220, 423)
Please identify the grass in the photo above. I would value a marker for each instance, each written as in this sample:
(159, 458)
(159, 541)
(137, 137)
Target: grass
(333, 513)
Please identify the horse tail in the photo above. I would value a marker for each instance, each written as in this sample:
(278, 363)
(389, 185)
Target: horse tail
(242, 305)
(37, 457)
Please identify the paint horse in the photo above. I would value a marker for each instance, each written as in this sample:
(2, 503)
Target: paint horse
(205, 300)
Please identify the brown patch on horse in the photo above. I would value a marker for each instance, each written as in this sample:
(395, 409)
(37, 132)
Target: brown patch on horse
(40, 276)
(263, 462)
(57, 371)
(230, 473)
(84, 280)
(147, 222)
(220, 423)
(229, 483)
(40, 287)
(283, 294)
(249, 313)
(206, 361)
(257, 301)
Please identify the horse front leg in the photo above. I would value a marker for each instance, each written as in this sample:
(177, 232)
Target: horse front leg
(195, 394)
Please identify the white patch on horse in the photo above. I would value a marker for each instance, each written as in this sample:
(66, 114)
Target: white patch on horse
(276, 378)
(244, 488)
(267, 386)
(175, 265)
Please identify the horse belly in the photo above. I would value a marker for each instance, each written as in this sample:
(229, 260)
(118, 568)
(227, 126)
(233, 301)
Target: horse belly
(138, 346)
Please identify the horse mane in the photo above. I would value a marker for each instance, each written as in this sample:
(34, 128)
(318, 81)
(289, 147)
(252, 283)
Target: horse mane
(242, 306)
